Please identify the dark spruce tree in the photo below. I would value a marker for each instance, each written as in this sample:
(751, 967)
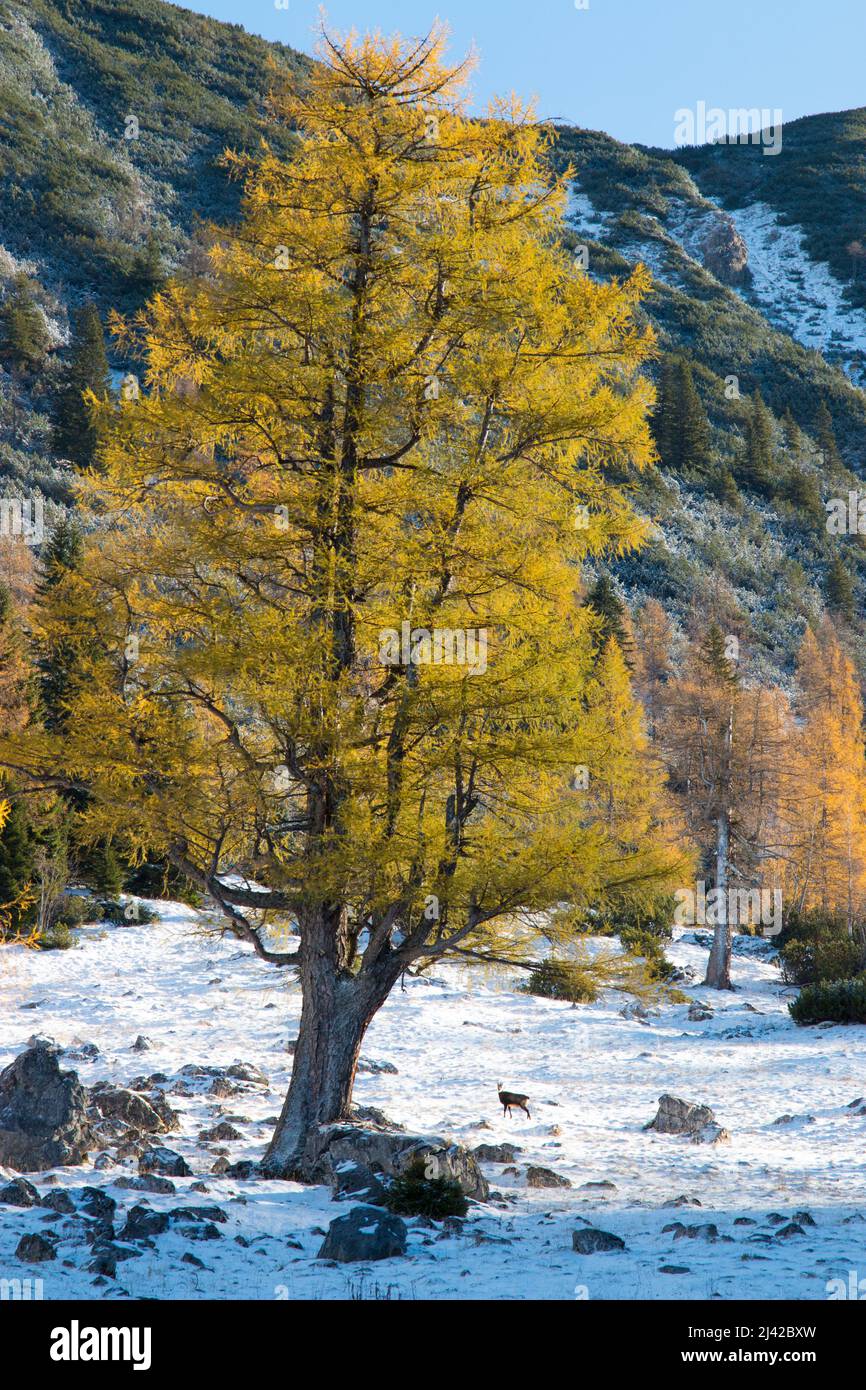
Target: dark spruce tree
(57, 662)
(610, 609)
(713, 655)
(825, 438)
(840, 590)
(24, 338)
(681, 428)
(759, 463)
(16, 869)
(87, 370)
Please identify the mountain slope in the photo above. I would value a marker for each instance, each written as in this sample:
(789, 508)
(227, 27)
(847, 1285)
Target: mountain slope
(748, 255)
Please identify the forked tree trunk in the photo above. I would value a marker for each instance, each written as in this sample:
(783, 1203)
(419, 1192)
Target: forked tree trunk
(336, 1011)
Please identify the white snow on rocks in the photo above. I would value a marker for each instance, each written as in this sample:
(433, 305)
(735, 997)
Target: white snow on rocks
(798, 295)
(594, 1079)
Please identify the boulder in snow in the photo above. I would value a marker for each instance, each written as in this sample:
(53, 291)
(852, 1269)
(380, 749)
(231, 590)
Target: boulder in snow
(19, 1193)
(544, 1177)
(35, 1249)
(590, 1241)
(389, 1152)
(496, 1153)
(364, 1233)
(677, 1116)
(165, 1162)
(43, 1116)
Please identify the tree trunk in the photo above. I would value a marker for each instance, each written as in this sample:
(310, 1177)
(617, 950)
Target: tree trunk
(336, 1011)
(719, 965)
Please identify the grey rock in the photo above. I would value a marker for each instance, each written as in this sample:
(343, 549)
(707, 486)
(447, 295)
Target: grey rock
(223, 1132)
(364, 1233)
(590, 1241)
(165, 1162)
(368, 1066)
(19, 1193)
(143, 1224)
(116, 1103)
(43, 1115)
(544, 1177)
(384, 1151)
(700, 1013)
(35, 1249)
(496, 1153)
(142, 1044)
(149, 1183)
(604, 1186)
(677, 1116)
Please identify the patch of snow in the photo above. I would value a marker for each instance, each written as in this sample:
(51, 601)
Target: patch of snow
(798, 295)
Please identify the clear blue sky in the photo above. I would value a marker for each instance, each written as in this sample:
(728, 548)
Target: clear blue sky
(624, 66)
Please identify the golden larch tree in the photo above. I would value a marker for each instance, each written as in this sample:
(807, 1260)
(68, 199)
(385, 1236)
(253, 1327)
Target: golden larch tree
(334, 594)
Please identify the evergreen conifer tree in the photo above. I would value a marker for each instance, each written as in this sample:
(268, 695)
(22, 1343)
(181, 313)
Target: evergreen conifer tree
(74, 431)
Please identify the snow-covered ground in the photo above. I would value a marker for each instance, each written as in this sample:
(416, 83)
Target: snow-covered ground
(798, 295)
(594, 1078)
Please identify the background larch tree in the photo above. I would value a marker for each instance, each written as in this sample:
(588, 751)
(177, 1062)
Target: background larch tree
(725, 744)
(826, 815)
(382, 403)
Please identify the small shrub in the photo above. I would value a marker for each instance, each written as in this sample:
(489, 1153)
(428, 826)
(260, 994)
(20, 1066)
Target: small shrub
(414, 1194)
(840, 1001)
(56, 938)
(809, 925)
(646, 945)
(73, 910)
(822, 961)
(654, 917)
(129, 914)
(564, 979)
(815, 947)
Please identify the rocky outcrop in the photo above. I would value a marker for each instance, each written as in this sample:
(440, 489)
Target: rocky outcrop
(35, 1249)
(590, 1241)
(128, 1107)
(364, 1233)
(677, 1116)
(164, 1162)
(496, 1153)
(391, 1153)
(537, 1176)
(19, 1193)
(43, 1113)
(725, 253)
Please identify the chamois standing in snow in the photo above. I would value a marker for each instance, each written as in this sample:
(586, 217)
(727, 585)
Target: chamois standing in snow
(509, 1098)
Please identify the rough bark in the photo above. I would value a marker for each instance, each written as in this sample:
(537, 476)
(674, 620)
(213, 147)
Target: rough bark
(336, 1012)
(719, 965)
